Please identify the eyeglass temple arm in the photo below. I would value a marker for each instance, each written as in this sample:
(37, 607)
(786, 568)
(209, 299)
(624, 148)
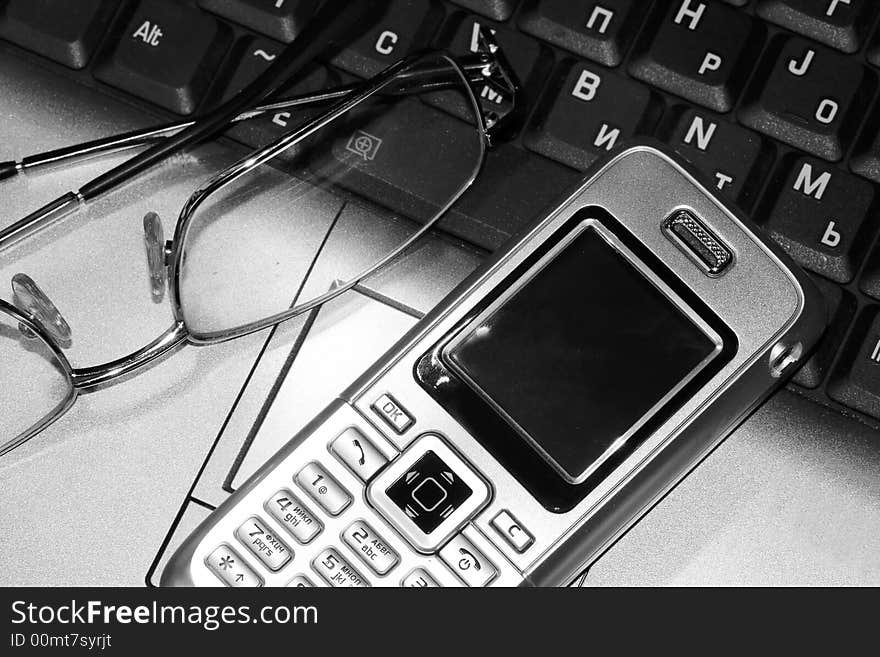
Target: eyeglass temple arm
(336, 22)
(473, 65)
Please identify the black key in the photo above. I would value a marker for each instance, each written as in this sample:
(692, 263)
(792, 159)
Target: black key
(808, 96)
(531, 62)
(855, 381)
(733, 158)
(865, 158)
(167, 54)
(601, 30)
(840, 307)
(395, 173)
(279, 19)
(586, 112)
(514, 187)
(819, 215)
(65, 31)
(870, 282)
(702, 51)
(406, 26)
(840, 24)
(499, 10)
(255, 55)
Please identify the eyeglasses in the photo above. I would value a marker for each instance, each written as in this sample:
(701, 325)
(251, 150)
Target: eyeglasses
(248, 244)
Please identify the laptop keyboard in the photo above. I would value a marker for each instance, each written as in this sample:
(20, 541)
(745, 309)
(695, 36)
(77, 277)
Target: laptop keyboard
(774, 100)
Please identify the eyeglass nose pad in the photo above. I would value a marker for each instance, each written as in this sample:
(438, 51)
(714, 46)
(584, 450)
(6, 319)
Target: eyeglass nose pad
(29, 298)
(154, 240)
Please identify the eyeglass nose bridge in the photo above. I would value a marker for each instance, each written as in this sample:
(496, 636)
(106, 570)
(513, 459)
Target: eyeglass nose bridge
(30, 299)
(159, 253)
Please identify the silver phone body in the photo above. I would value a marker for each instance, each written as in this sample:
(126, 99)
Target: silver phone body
(765, 302)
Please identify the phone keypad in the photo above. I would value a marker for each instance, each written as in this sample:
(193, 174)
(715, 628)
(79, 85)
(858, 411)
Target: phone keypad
(370, 547)
(363, 550)
(336, 571)
(294, 516)
(467, 562)
(358, 454)
(263, 543)
(323, 488)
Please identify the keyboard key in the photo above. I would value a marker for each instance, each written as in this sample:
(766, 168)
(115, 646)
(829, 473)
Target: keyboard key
(840, 308)
(370, 547)
(870, 282)
(167, 54)
(865, 158)
(840, 24)
(263, 543)
(419, 578)
(819, 215)
(225, 563)
(65, 31)
(300, 582)
(733, 158)
(856, 379)
(279, 19)
(395, 415)
(467, 562)
(499, 10)
(699, 50)
(513, 188)
(586, 113)
(601, 30)
(530, 61)
(809, 97)
(255, 56)
(323, 488)
(406, 26)
(358, 453)
(294, 516)
(331, 565)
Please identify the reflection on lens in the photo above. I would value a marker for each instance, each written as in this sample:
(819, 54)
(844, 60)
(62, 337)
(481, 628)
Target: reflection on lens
(34, 384)
(330, 209)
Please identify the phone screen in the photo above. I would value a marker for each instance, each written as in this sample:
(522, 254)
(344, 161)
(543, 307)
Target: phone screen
(582, 353)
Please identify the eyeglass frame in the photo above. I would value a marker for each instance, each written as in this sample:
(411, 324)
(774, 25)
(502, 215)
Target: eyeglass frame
(178, 334)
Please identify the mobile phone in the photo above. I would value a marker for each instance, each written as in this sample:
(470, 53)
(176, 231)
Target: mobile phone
(539, 410)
